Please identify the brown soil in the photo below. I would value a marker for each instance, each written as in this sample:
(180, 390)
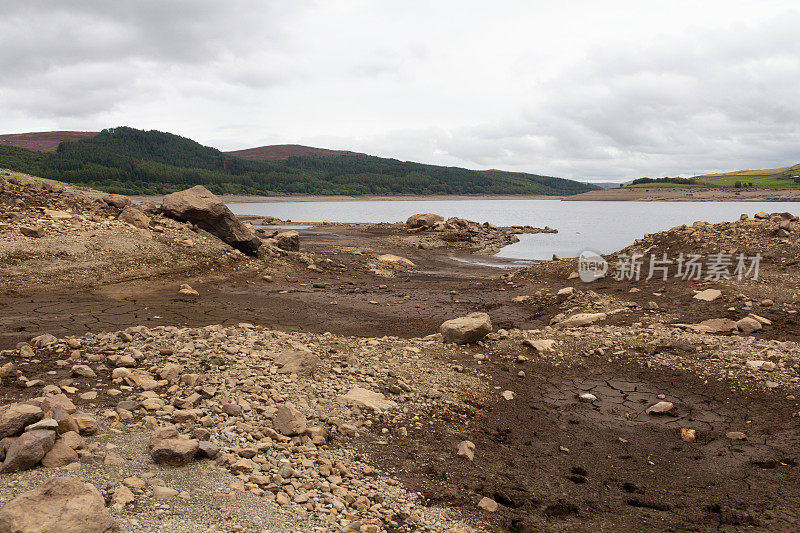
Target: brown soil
(557, 464)
(552, 462)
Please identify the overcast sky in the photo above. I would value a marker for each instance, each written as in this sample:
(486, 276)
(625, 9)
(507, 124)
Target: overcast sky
(593, 90)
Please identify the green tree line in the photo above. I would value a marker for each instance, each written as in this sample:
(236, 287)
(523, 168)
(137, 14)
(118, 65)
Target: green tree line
(130, 161)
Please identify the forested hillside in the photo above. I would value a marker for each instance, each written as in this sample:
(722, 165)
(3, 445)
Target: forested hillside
(130, 161)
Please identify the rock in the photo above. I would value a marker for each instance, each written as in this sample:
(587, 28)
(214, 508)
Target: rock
(708, 295)
(688, 435)
(60, 454)
(63, 505)
(367, 399)
(45, 423)
(466, 449)
(288, 240)
(767, 366)
(116, 200)
(508, 395)
(466, 329)
(395, 261)
(32, 231)
(134, 482)
(46, 339)
(86, 424)
(14, 419)
(581, 319)
(28, 450)
(83, 371)
(232, 409)
(174, 452)
(203, 209)
(565, 291)
(715, 325)
(171, 372)
(62, 401)
(163, 493)
(187, 290)
(748, 325)
(736, 435)
(122, 496)
(587, 397)
(540, 345)
(660, 408)
(762, 215)
(423, 220)
(207, 450)
(298, 362)
(162, 433)
(761, 319)
(134, 217)
(488, 504)
(289, 421)
(72, 439)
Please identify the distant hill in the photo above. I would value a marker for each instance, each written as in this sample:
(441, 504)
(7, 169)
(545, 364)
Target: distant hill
(770, 178)
(44, 141)
(131, 161)
(285, 151)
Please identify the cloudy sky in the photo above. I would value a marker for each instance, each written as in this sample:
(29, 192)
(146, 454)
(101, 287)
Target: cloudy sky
(581, 89)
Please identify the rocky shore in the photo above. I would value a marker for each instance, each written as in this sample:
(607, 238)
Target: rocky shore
(355, 380)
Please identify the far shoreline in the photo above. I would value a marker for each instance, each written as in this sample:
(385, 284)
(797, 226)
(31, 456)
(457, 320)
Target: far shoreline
(243, 198)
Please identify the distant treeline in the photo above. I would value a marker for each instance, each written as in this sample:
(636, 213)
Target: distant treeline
(130, 161)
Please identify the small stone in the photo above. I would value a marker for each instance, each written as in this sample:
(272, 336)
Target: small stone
(508, 395)
(688, 435)
(708, 295)
(488, 504)
(289, 421)
(736, 435)
(466, 449)
(163, 493)
(587, 397)
(187, 290)
(660, 408)
(83, 371)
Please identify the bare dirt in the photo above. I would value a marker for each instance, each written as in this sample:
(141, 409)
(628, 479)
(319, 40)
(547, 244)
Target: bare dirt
(552, 462)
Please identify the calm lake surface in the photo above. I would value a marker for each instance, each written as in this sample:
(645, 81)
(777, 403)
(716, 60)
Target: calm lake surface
(602, 227)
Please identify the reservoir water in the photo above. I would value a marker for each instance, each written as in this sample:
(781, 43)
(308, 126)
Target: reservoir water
(602, 227)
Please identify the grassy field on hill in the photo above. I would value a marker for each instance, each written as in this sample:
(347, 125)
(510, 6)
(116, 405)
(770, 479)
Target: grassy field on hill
(770, 178)
(130, 161)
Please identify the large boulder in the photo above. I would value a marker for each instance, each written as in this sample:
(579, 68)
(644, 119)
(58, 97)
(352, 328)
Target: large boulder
(203, 209)
(62, 505)
(289, 421)
(116, 200)
(423, 220)
(175, 452)
(466, 329)
(367, 399)
(14, 419)
(288, 240)
(28, 450)
(135, 217)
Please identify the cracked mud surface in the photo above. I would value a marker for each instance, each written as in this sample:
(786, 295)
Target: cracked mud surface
(557, 464)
